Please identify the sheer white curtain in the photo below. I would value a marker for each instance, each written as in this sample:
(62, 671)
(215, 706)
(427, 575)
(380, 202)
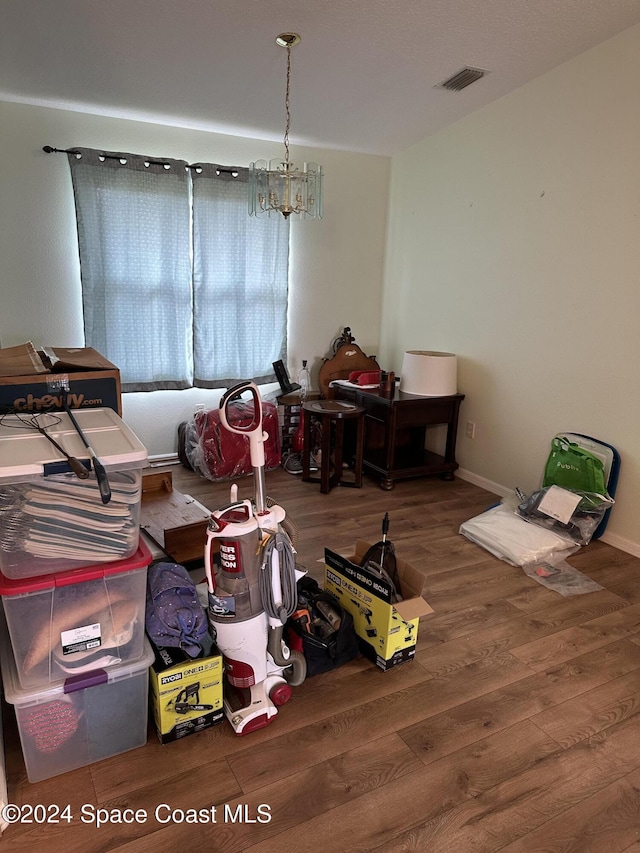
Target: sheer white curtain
(240, 275)
(180, 286)
(134, 237)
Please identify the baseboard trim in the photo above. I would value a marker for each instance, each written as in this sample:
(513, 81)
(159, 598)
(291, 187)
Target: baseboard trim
(483, 483)
(621, 543)
(612, 539)
(164, 459)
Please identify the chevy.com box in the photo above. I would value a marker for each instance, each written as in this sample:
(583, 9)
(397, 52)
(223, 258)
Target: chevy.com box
(387, 632)
(86, 378)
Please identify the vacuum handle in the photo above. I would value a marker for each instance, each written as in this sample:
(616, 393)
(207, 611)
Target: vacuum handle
(252, 430)
(208, 565)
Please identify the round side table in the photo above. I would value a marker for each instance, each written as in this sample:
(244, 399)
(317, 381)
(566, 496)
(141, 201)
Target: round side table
(332, 415)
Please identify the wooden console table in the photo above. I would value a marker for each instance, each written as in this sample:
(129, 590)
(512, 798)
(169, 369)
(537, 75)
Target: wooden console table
(395, 431)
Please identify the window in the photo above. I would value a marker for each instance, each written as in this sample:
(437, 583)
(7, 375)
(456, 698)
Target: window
(180, 286)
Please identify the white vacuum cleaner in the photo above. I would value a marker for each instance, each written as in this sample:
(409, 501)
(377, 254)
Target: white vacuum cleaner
(252, 591)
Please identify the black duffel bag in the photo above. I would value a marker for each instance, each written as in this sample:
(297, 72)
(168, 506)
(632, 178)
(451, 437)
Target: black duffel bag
(321, 629)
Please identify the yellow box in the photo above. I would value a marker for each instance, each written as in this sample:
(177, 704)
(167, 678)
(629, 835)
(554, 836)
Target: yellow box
(387, 632)
(186, 693)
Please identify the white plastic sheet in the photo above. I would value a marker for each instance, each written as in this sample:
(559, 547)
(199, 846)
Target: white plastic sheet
(507, 536)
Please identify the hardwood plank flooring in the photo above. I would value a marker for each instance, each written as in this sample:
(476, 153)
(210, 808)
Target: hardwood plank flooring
(516, 728)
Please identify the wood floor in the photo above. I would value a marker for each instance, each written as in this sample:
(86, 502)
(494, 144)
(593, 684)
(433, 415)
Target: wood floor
(515, 729)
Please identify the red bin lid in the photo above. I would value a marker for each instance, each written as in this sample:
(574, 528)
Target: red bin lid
(139, 560)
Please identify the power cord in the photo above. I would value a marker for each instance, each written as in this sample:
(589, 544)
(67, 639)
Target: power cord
(281, 543)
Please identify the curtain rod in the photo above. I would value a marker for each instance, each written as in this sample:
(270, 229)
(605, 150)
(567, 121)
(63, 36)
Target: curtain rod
(49, 149)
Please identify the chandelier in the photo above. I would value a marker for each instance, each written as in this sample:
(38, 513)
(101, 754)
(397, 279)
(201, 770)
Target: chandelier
(279, 186)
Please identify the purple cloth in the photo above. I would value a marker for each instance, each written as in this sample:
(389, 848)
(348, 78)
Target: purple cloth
(174, 615)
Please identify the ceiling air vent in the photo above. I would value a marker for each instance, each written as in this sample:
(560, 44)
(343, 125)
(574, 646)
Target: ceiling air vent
(462, 79)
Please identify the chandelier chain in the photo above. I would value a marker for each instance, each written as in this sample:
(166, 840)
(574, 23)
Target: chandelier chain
(287, 107)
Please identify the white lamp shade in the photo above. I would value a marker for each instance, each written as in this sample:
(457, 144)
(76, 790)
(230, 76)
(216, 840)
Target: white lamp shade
(429, 374)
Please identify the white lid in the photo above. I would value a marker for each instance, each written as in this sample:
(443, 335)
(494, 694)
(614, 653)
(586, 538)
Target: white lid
(24, 452)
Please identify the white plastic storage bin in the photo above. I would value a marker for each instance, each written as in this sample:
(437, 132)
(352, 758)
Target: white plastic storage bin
(82, 720)
(71, 622)
(51, 519)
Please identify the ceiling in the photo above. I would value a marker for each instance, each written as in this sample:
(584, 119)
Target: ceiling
(364, 77)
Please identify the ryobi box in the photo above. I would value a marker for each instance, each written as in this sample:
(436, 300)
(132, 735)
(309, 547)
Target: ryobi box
(185, 693)
(387, 633)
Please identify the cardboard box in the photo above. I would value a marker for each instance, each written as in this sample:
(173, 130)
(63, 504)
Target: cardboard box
(387, 632)
(185, 693)
(92, 381)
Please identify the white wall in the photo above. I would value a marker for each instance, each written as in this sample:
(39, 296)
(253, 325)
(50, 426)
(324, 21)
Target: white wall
(336, 263)
(514, 242)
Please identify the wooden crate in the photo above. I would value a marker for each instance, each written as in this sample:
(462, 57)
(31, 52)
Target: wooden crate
(177, 523)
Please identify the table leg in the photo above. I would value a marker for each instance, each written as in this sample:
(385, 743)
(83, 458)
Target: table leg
(325, 462)
(306, 449)
(359, 453)
(338, 446)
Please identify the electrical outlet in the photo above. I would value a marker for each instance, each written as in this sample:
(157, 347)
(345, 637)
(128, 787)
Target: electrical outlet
(471, 429)
(199, 407)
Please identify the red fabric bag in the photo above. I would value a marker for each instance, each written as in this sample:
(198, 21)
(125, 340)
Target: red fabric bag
(223, 455)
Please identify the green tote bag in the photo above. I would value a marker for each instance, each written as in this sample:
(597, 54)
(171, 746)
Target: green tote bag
(573, 467)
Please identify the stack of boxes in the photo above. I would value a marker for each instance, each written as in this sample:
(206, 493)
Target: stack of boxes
(73, 574)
